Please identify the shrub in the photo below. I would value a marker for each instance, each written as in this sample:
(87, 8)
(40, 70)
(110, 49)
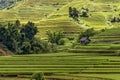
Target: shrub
(70, 38)
(73, 13)
(38, 76)
(22, 40)
(84, 12)
(54, 37)
(61, 42)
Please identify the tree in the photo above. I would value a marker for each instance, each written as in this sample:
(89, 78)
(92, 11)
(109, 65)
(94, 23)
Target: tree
(70, 12)
(115, 19)
(11, 37)
(2, 33)
(75, 13)
(84, 12)
(29, 30)
(54, 37)
(38, 76)
(22, 40)
(14, 40)
(39, 46)
(26, 47)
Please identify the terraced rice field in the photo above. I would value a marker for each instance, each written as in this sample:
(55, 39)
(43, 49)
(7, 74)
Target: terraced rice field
(97, 61)
(62, 65)
(66, 26)
(108, 36)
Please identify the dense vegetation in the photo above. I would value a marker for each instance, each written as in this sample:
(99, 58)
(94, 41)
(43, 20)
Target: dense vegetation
(21, 39)
(80, 38)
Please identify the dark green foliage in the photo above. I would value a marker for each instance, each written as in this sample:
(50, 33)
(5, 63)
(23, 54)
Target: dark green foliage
(70, 38)
(86, 33)
(10, 37)
(2, 33)
(42, 46)
(115, 19)
(38, 76)
(73, 13)
(26, 47)
(70, 12)
(54, 37)
(61, 42)
(22, 40)
(84, 12)
(29, 30)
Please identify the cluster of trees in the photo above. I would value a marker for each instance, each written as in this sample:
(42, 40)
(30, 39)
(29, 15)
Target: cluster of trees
(75, 14)
(21, 39)
(84, 12)
(115, 19)
(55, 37)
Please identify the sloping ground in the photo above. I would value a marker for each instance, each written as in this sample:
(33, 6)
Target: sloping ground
(57, 11)
(106, 1)
(67, 26)
(108, 36)
(31, 10)
(100, 11)
(4, 51)
(100, 49)
(54, 15)
(62, 66)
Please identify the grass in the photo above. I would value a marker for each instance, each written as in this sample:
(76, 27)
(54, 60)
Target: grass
(59, 63)
(98, 60)
(116, 77)
(53, 15)
(109, 36)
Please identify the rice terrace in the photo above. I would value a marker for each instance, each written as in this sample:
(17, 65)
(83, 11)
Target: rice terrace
(59, 39)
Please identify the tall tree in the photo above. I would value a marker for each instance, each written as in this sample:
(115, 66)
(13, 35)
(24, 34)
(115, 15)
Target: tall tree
(70, 12)
(29, 30)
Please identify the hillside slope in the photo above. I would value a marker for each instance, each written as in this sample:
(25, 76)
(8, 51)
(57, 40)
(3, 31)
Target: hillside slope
(4, 51)
(31, 10)
(100, 14)
(53, 15)
(108, 36)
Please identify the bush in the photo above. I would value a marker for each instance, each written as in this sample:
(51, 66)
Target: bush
(53, 47)
(84, 12)
(54, 37)
(61, 42)
(22, 40)
(70, 38)
(38, 76)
